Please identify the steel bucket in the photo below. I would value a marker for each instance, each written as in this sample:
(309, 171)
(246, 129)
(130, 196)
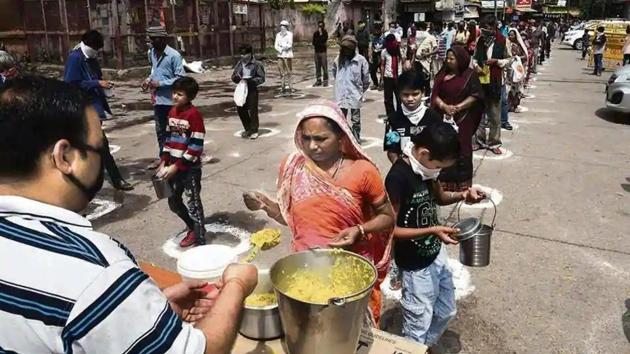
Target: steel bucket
(474, 245)
(162, 187)
(311, 328)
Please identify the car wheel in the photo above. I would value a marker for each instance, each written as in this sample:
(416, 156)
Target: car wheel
(577, 44)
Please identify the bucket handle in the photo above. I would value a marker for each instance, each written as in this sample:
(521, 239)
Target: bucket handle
(494, 217)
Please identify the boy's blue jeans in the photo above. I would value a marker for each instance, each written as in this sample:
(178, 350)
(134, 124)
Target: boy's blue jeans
(428, 301)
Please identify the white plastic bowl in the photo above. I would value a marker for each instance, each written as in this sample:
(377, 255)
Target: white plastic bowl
(205, 263)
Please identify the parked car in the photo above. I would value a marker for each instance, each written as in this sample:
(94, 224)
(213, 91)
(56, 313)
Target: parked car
(573, 38)
(618, 90)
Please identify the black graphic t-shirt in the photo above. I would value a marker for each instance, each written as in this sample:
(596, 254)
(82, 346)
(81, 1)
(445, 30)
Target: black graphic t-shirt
(417, 209)
(399, 129)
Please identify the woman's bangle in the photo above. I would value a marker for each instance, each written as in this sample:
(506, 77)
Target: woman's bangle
(362, 230)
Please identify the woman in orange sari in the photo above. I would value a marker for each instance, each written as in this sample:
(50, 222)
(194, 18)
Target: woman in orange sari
(330, 194)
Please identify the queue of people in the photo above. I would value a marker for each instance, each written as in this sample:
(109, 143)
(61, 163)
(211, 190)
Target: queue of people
(329, 191)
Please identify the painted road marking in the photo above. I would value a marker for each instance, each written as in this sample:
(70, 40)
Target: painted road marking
(318, 87)
(102, 207)
(529, 97)
(368, 142)
(488, 155)
(172, 249)
(291, 95)
(262, 132)
(113, 148)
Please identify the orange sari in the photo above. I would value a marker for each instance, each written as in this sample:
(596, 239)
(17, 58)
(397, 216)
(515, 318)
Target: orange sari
(317, 208)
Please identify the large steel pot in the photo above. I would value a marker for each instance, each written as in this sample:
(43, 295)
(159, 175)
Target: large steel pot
(310, 328)
(261, 323)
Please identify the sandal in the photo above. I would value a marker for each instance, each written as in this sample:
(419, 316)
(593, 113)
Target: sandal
(496, 151)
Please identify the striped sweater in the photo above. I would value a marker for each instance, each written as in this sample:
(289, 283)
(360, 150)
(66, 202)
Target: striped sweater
(184, 143)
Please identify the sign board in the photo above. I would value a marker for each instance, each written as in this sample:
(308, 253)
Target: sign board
(523, 4)
(419, 17)
(562, 3)
(239, 9)
(491, 4)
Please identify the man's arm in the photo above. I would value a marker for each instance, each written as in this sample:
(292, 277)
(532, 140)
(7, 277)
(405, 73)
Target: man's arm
(74, 75)
(365, 75)
(178, 71)
(220, 325)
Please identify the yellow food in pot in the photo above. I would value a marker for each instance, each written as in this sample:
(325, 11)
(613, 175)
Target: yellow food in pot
(261, 300)
(349, 275)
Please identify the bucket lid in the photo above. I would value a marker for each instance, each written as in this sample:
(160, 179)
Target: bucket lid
(206, 261)
(467, 228)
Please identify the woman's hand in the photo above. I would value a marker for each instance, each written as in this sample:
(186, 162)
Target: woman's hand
(446, 234)
(346, 237)
(450, 109)
(255, 200)
(474, 195)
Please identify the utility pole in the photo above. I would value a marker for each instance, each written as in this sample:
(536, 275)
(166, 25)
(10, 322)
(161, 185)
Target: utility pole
(495, 8)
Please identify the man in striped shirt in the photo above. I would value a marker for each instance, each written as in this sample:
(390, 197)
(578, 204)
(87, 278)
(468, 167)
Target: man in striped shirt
(65, 288)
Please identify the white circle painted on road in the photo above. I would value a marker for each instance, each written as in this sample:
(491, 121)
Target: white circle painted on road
(532, 87)
(102, 207)
(291, 95)
(368, 142)
(494, 194)
(529, 97)
(113, 148)
(320, 87)
(535, 79)
(171, 246)
(230, 110)
(263, 132)
(521, 109)
(489, 155)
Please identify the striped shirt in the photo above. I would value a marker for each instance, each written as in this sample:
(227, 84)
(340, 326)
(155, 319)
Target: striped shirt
(184, 143)
(65, 288)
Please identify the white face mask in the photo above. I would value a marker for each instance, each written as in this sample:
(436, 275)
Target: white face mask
(88, 51)
(283, 29)
(418, 168)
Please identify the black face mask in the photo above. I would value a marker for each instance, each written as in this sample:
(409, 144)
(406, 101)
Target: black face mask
(90, 191)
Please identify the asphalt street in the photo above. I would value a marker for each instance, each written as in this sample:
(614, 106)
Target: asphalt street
(560, 269)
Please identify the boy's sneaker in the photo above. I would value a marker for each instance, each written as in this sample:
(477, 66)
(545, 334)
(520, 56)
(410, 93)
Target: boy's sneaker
(189, 240)
(317, 83)
(254, 136)
(325, 84)
(245, 134)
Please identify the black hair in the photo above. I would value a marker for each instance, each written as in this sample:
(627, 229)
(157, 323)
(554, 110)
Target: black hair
(411, 80)
(601, 29)
(35, 113)
(489, 21)
(628, 29)
(423, 26)
(93, 39)
(246, 49)
(188, 85)
(440, 139)
(361, 21)
(320, 23)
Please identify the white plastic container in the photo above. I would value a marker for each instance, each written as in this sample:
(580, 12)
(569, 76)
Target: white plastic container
(205, 263)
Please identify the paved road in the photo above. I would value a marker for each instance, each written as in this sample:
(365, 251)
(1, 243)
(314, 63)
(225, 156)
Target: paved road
(560, 266)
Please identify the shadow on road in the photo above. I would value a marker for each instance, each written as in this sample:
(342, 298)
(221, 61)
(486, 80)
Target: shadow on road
(626, 186)
(613, 117)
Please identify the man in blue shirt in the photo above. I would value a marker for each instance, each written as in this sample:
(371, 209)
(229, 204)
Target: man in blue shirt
(83, 71)
(166, 67)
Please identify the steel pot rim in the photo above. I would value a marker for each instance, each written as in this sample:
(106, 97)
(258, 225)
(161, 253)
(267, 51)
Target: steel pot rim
(339, 300)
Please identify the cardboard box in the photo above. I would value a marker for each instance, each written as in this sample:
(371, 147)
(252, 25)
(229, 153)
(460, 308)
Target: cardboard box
(372, 341)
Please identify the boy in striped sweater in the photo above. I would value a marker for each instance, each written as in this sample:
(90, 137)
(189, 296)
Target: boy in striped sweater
(181, 159)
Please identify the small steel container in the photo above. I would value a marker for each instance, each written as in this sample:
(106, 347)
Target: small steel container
(163, 188)
(474, 239)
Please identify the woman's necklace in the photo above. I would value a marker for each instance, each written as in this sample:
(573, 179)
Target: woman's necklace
(338, 167)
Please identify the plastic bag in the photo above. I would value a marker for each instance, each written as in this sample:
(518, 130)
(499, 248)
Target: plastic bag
(518, 70)
(240, 93)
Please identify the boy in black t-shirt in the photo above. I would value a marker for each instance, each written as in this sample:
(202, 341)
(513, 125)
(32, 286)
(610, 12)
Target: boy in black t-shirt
(411, 117)
(428, 296)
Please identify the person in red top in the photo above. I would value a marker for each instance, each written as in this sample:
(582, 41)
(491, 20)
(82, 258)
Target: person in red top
(181, 159)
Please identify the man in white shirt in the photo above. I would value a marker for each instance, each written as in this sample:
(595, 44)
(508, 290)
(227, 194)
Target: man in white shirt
(64, 287)
(427, 47)
(284, 48)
